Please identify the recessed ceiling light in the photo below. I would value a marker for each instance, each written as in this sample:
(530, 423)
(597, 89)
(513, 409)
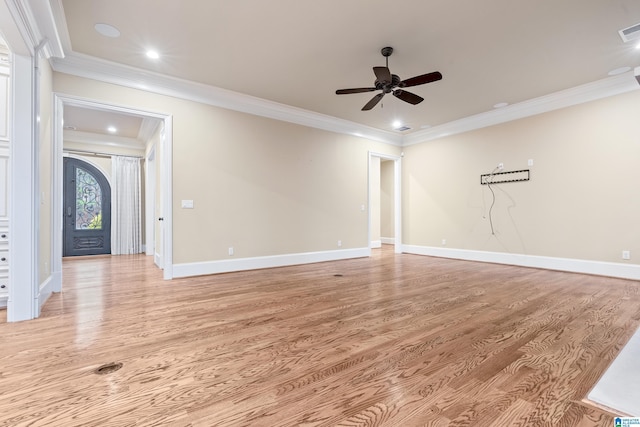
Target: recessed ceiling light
(153, 54)
(425, 126)
(501, 105)
(638, 45)
(620, 70)
(69, 127)
(112, 129)
(107, 30)
(397, 124)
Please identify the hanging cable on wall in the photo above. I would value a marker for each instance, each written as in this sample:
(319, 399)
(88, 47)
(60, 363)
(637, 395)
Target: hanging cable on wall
(488, 180)
(496, 177)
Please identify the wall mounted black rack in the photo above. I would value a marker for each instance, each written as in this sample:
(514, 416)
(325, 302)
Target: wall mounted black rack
(502, 177)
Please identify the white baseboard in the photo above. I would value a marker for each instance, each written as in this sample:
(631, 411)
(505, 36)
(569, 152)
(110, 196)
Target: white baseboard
(388, 240)
(599, 268)
(376, 244)
(243, 264)
(46, 288)
(3, 302)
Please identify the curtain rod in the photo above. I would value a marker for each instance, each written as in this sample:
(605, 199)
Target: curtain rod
(97, 153)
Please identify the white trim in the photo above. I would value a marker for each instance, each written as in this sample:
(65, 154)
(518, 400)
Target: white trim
(46, 288)
(57, 204)
(150, 200)
(565, 98)
(388, 240)
(166, 182)
(42, 21)
(23, 262)
(375, 244)
(599, 268)
(108, 140)
(110, 72)
(243, 264)
(3, 302)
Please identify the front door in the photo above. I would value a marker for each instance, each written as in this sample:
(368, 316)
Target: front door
(87, 210)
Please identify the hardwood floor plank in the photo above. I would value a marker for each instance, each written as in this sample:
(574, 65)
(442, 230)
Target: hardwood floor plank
(397, 340)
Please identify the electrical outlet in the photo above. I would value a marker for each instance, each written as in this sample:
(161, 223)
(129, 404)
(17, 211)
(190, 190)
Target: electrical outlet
(231, 251)
(444, 242)
(626, 254)
(500, 166)
(339, 243)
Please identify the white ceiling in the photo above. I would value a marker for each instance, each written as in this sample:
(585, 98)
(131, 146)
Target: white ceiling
(298, 53)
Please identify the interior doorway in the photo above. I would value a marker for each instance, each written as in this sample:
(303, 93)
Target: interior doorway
(158, 184)
(385, 225)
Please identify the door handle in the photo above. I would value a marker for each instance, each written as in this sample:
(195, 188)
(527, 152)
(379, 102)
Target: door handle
(161, 219)
(69, 211)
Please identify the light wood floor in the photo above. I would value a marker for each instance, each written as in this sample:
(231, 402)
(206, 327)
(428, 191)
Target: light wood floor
(396, 340)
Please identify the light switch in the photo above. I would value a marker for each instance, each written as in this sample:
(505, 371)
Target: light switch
(187, 204)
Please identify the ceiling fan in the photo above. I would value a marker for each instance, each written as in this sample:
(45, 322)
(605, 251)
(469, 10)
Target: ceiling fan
(391, 83)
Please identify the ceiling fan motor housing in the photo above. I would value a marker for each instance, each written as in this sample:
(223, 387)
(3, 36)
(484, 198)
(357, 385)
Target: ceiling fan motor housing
(386, 86)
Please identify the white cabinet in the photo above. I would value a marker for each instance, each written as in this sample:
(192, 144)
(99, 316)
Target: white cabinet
(4, 175)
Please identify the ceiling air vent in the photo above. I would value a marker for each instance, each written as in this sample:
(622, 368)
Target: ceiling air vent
(403, 128)
(630, 33)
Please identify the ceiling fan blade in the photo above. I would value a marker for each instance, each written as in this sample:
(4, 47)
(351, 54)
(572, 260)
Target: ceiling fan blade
(409, 97)
(373, 102)
(382, 73)
(420, 80)
(356, 90)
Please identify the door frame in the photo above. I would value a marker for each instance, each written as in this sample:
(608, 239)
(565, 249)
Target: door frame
(166, 147)
(397, 198)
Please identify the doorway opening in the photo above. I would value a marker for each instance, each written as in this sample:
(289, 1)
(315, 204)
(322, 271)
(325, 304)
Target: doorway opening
(385, 201)
(157, 185)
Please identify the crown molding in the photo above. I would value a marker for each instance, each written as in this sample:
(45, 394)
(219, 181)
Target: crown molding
(148, 128)
(106, 71)
(580, 94)
(35, 23)
(97, 69)
(99, 139)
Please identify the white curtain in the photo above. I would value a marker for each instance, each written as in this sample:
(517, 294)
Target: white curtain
(126, 217)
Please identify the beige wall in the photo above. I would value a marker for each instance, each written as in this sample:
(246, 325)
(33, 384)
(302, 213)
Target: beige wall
(581, 201)
(45, 167)
(387, 202)
(262, 186)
